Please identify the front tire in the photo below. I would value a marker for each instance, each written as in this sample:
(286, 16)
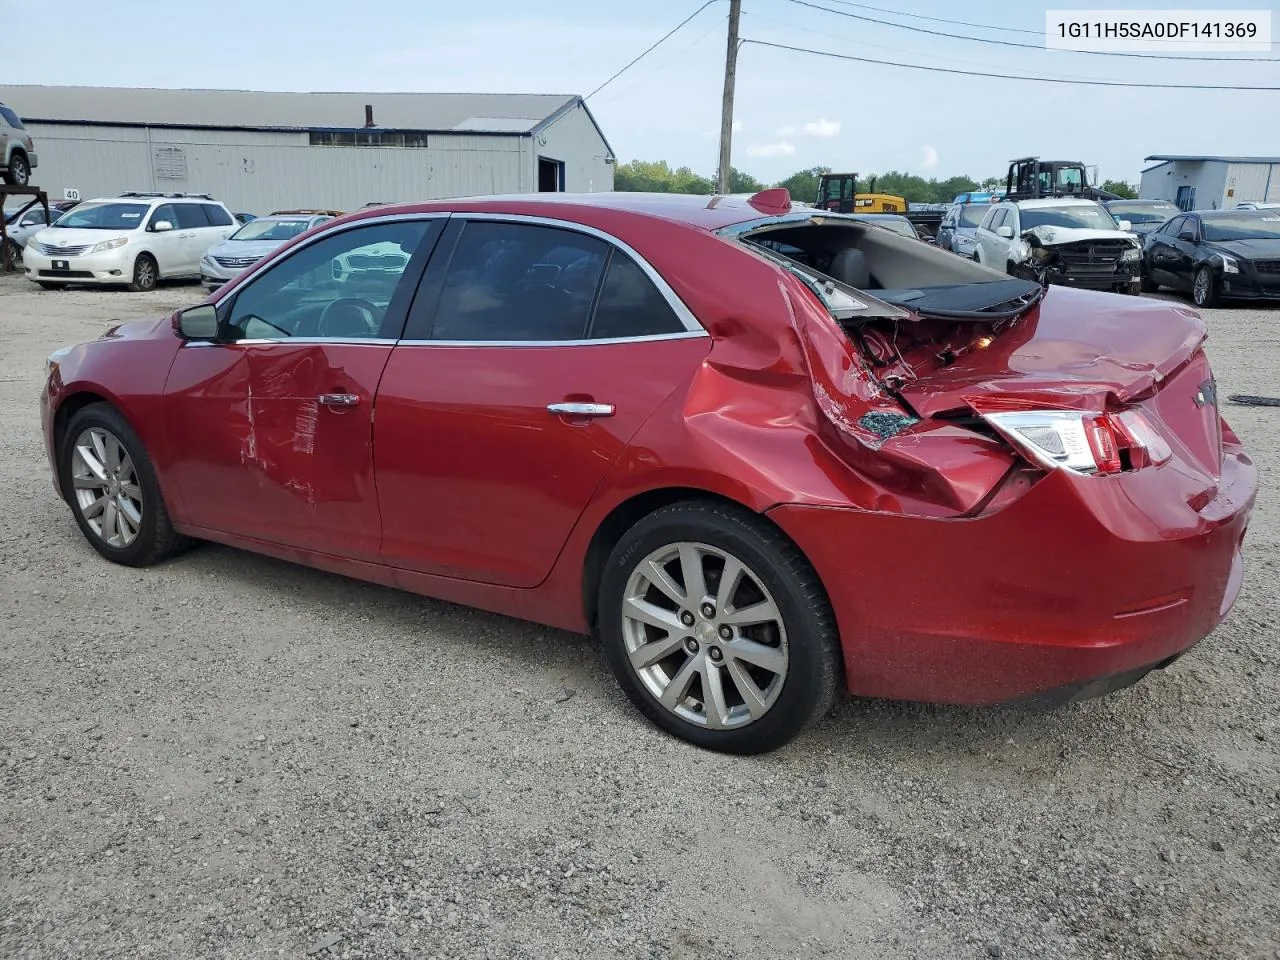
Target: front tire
(14, 252)
(145, 274)
(111, 485)
(19, 172)
(1146, 284)
(1204, 289)
(718, 629)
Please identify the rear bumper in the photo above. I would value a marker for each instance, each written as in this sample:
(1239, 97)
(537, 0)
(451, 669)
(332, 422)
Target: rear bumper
(1069, 585)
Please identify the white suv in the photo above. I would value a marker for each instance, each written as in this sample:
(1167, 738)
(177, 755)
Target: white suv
(135, 239)
(1060, 240)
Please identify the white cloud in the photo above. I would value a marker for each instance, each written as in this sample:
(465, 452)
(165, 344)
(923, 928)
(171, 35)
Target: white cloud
(929, 157)
(782, 148)
(822, 127)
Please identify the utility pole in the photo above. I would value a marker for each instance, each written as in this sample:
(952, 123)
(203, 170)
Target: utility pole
(726, 105)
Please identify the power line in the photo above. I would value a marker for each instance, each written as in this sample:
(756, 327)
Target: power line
(1032, 46)
(1008, 76)
(920, 16)
(675, 55)
(665, 37)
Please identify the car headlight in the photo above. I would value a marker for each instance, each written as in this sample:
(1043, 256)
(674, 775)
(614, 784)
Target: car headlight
(1229, 264)
(1130, 255)
(106, 245)
(51, 362)
(960, 240)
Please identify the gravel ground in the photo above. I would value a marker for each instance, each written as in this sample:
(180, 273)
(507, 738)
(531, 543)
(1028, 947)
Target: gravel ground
(227, 756)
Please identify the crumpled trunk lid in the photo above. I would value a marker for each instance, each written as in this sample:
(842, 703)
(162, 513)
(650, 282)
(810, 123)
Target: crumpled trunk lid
(1098, 353)
(1076, 350)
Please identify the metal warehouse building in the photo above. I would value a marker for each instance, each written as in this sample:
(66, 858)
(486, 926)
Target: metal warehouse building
(260, 152)
(1211, 183)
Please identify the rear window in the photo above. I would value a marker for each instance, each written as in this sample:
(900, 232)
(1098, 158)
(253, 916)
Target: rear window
(11, 118)
(971, 216)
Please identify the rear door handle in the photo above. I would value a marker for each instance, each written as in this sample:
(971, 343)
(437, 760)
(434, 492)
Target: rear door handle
(337, 399)
(581, 409)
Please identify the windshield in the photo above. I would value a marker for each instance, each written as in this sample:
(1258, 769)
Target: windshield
(1241, 227)
(898, 225)
(104, 216)
(1144, 212)
(1091, 217)
(262, 229)
(971, 216)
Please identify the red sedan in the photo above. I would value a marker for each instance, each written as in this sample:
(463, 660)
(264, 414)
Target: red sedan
(762, 451)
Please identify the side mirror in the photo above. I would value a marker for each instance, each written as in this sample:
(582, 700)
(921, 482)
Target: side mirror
(1126, 225)
(199, 322)
(1006, 232)
(160, 226)
(1188, 235)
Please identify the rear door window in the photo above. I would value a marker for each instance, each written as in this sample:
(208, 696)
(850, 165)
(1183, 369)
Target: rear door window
(630, 305)
(191, 216)
(515, 282)
(217, 216)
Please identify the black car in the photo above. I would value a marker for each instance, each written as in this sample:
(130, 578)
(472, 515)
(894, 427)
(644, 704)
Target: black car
(1143, 215)
(1216, 255)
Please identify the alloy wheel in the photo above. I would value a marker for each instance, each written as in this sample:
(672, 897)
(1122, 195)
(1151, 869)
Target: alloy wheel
(704, 635)
(107, 491)
(1201, 290)
(144, 273)
(19, 170)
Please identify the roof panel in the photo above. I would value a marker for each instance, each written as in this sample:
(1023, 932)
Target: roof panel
(1195, 159)
(480, 112)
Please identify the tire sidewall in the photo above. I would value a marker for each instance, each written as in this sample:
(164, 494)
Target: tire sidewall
(802, 693)
(1210, 288)
(19, 181)
(155, 272)
(99, 415)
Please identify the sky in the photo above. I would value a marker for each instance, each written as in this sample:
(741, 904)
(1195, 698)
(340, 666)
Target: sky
(792, 110)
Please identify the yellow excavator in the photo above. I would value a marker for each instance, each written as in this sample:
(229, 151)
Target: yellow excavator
(838, 192)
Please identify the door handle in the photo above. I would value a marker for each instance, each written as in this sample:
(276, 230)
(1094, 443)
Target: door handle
(337, 399)
(581, 409)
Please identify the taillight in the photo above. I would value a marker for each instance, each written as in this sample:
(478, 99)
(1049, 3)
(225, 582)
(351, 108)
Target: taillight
(1102, 444)
(1086, 443)
(1147, 447)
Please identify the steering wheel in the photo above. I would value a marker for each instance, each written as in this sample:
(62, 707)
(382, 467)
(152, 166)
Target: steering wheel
(341, 318)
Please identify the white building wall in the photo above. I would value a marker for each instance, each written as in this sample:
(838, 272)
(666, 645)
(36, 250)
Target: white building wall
(1250, 181)
(259, 171)
(574, 139)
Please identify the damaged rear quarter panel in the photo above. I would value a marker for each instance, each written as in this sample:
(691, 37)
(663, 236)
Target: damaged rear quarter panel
(775, 414)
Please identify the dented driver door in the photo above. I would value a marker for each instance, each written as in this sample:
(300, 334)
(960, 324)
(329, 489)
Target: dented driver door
(272, 424)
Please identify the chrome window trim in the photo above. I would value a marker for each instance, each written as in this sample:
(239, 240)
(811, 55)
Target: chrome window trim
(304, 341)
(678, 306)
(693, 329)
(603, 341)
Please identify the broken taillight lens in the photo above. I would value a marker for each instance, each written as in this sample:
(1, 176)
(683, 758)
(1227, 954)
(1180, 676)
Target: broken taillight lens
(1085, 443)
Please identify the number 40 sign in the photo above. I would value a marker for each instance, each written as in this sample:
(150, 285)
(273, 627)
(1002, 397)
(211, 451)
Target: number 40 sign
(70, 193)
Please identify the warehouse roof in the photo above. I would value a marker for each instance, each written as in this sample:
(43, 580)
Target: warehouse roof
(511, 113)
(1165, 158)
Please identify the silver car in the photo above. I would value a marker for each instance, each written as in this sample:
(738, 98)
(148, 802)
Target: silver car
(251, 243)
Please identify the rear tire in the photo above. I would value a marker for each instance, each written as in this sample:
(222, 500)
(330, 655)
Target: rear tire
(732, 681)
(111, 485)
(145, 274)
(19, 172)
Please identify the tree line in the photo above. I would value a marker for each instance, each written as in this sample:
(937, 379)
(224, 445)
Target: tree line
(645, 176)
